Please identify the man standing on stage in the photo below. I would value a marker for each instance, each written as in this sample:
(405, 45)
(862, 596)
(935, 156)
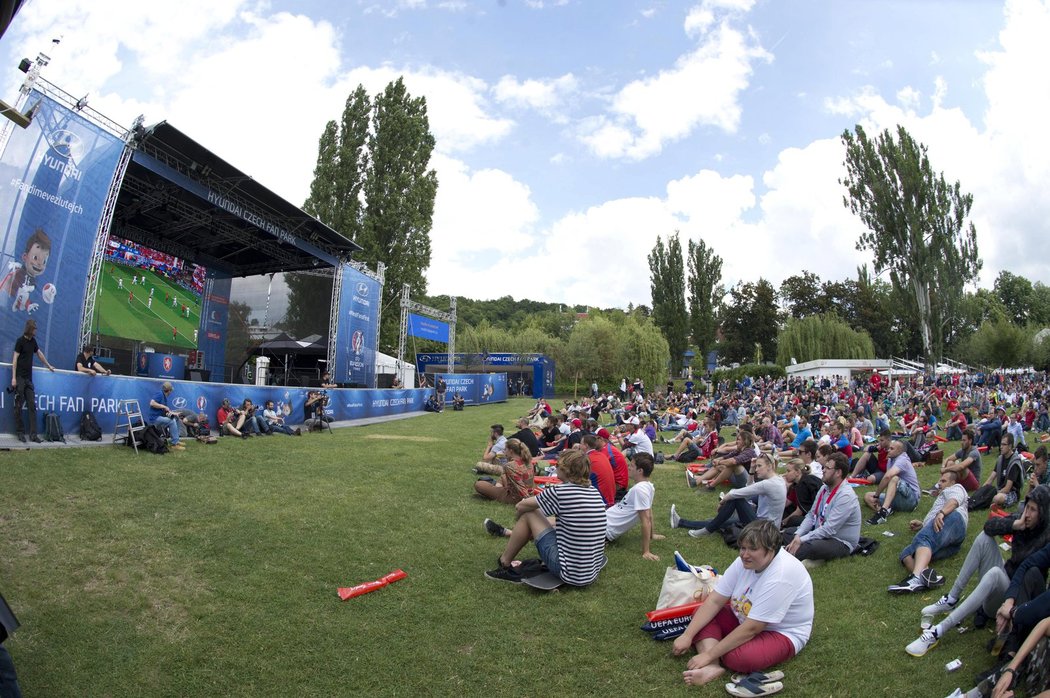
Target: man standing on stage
(22, 380)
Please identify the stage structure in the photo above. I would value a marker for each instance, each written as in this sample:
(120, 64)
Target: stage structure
(72, 176)
(442, 328)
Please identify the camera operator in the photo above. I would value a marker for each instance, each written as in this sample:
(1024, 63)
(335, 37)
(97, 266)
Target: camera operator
(231, 421)
(313, 410)
(256, 423)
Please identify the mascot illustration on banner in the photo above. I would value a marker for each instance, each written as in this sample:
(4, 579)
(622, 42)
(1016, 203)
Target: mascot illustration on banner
(22, 277)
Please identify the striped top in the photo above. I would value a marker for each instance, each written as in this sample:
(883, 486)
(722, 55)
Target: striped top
(581, 525)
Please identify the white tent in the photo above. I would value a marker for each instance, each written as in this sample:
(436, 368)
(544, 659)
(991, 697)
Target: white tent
(386, 364)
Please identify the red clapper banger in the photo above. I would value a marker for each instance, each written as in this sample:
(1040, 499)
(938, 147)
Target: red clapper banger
(350, 592)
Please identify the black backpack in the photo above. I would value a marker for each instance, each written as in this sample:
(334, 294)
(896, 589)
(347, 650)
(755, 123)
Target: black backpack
(89, 428)
(53, 428)
(153, 441)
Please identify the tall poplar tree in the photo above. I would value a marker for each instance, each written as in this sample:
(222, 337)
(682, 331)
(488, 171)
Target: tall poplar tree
(705, 273)
(399, 190)
(917, 226)
(667, 284)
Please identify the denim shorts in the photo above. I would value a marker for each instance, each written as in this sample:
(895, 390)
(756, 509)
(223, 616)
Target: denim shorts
(942, 544)
(906, 498)
(547, 546)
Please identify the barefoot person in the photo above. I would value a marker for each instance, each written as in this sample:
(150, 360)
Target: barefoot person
(760, 613)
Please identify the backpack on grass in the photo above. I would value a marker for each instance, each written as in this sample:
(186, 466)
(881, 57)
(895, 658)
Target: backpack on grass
(53, 428)
(153, 441)
(89, 428)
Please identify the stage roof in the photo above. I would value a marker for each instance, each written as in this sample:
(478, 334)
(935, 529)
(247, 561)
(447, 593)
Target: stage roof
(180, 198)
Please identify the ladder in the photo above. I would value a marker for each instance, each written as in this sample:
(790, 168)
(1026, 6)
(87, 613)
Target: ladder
(129, 422)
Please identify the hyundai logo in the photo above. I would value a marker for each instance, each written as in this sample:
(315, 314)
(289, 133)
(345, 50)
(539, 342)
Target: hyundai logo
(362, 288)
(67, 144)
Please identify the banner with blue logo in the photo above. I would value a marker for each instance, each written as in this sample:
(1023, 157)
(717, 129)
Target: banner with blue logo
(157, 365)
(69, 394)
(475, 388)
(427, 328)
(54, 178)
(215, 314)
(357, 329)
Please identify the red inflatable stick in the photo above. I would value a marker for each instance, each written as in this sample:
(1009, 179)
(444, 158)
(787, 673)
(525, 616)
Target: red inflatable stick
(350, 592)
(858, 481)
(546, 480)
(673, 612)
(940, 439)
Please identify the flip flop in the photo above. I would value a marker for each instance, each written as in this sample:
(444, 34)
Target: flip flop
(759, 677)
(749, 689)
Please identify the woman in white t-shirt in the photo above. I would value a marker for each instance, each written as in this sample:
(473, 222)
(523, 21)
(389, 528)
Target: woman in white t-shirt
(760, 613)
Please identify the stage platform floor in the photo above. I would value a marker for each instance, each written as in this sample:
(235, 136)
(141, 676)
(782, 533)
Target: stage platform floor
(8, 442)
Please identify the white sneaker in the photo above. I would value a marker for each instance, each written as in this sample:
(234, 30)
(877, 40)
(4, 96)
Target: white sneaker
(943, 605)
(699, 532)
(675, 518)
(926, 642)
(690, 479)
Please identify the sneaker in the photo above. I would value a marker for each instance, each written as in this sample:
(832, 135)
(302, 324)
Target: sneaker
(813, 564)
(675, 518)
(504, 574)
(494, 528)
(931, 579)
(178, 447)
(879, 517)
(926, 642)
(699, 532)
(908, 585)
(475, 471)
(942, 605)
(932, 492)
(690, 479)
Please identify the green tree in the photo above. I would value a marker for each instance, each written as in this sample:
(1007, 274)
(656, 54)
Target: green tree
(750, 322)
(667, 283)
(399, 191)
(705, 273)
(821, 337)
(1039, 306)
(998, 344)
(874, 315)
(1016, 294)
(335, 200)
(917, 225)
(798, 293)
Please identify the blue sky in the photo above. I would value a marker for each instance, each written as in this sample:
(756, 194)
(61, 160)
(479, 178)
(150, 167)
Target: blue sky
(571, 133)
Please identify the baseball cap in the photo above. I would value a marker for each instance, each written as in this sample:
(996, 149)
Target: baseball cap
(604, 433)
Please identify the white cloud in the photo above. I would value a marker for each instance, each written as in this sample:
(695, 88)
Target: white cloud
(542, 95)
(702, 88)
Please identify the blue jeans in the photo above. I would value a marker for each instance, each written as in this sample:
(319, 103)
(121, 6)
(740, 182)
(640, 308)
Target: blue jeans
(740, 508)
(954, 434)
(547, 547)
(170, 424)
(8, 678)
(943, 544)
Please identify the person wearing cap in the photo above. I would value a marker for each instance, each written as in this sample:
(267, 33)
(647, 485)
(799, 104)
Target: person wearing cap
(163, 417)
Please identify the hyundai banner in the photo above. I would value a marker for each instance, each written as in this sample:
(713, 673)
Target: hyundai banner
(475, 388)
(54, 178)
(357, 329)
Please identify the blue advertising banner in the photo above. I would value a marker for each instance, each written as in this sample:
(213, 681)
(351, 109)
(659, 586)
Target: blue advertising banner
(475, 388)
(157, 365)
(215, 313)
(54, 178)
(69, 394)
(542, 367)
(427, 328)
(357, 329)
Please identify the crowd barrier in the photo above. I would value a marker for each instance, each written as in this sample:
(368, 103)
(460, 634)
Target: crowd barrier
(69, 394)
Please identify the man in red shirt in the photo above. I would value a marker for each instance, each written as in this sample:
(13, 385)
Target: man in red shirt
(602, 477)
(617, 460)
(956, 426)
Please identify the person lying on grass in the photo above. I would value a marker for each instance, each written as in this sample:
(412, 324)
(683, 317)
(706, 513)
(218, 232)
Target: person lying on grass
(515, 476)
(573, 547)
(760, 613)
(636, 507)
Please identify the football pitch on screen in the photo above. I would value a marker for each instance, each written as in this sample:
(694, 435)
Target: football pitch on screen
(125, 310)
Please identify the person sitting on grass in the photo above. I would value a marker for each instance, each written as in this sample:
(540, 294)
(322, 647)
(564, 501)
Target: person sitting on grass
(573, 548)
(493, 458)
(602, 477)
(938, 536)
(516, 476)
(871, 464)
(163, 417)
(734, 465)
(275, 422)
(636, 506)
(635, 440)
(1039, 474)
(966, 462)
(759, 615)
(1029, 668)
(1030, 531)
(802, 489)
(702, 445)
(527, 436)
(617, 460)
(1007, 477)
(231, 421)
(769, 488)
(831, 529)
(898, 490)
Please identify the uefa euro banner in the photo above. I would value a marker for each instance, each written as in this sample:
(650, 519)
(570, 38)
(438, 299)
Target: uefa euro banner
(357, 329)
(54, 178)
(215, 312)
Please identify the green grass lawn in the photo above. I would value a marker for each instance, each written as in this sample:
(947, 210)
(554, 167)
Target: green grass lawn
(119, 316)
(214, 572)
